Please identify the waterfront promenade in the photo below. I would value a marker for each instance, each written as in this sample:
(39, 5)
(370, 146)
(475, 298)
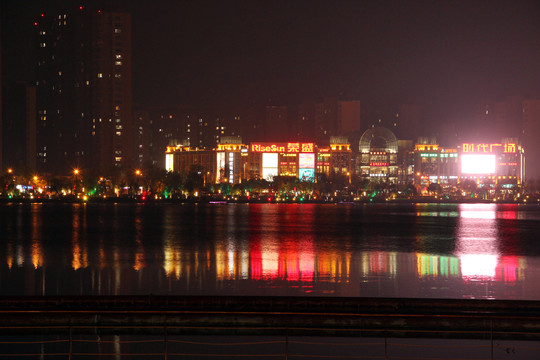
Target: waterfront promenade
(273, 316)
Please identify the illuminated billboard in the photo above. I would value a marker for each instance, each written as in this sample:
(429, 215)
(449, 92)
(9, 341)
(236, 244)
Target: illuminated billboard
(306, 165)
(169, 162)
(306, 161)
(477, 164)
(269, 166)
(231, 167)
(306, 174)
(220, 173)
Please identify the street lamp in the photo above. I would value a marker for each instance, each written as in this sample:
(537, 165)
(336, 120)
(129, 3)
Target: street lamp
(76, 179)
(138, 173)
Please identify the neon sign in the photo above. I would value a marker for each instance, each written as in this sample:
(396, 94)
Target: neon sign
(267, 148)
(489, 148)
(292, 147)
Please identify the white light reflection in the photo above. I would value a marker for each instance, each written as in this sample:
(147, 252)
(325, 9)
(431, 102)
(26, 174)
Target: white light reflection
(477, 236)
(478, 265)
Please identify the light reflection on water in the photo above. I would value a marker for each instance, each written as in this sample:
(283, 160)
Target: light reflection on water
(477, 237)
(442, 250)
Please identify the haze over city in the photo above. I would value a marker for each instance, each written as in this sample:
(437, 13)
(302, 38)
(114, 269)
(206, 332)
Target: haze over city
(457, 71)
(445, 55)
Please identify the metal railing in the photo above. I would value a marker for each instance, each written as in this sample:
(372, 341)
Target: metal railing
(79, 342)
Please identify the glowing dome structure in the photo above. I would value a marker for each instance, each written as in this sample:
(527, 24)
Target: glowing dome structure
(378, 149)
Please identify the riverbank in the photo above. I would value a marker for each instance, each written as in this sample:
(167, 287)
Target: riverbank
(203, 200)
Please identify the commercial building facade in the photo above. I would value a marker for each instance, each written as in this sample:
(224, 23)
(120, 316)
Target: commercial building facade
(498, 164)
(233, 162)
(379, 160)
(435, 164)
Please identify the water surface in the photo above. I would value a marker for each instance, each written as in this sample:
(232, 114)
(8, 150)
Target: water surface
(374, 250)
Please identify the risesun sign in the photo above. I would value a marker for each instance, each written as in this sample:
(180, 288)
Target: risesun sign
(291, 147)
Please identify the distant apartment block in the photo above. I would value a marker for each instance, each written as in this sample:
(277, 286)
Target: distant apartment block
(83, 90)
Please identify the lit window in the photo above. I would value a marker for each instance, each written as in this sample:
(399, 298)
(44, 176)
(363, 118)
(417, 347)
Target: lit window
(119, 133)
(99, 75)
(118, 56)
(117, 63)
(117, 31)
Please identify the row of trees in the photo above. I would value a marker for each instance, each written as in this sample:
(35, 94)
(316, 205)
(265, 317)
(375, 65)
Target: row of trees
(153, 181)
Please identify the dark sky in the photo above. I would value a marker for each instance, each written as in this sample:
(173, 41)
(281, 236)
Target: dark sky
(442, 54)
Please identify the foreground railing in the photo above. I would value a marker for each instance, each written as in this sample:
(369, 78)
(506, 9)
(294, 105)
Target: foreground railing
(76, 343)
(149, 327)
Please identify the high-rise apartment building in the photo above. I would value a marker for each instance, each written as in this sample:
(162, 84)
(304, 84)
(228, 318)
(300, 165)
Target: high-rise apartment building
(407, 121)
(305, 121)
(83, 84)
(1, 131)
(276, 123)
(334, 117)
(19, 128)
(531, 132)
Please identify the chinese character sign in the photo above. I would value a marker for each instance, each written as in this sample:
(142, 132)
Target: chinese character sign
(483, 148)
(307, 147)
(293, 147)
(509, 148)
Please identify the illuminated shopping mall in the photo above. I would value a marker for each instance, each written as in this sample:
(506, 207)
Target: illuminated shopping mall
(378, 157)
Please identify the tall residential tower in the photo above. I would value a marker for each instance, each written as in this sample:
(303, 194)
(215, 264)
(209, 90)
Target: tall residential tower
(83, 90)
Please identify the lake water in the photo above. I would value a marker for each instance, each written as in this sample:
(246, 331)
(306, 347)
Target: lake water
(374, 250)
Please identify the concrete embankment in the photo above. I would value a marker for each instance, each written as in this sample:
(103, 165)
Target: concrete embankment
(320, 316)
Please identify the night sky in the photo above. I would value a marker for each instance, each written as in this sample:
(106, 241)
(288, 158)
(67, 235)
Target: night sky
(445, 55)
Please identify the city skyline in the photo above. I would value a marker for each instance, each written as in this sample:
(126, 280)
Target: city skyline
(301, 71)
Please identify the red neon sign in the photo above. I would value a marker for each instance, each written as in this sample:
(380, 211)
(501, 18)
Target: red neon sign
(267, 148)
(295, 147)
